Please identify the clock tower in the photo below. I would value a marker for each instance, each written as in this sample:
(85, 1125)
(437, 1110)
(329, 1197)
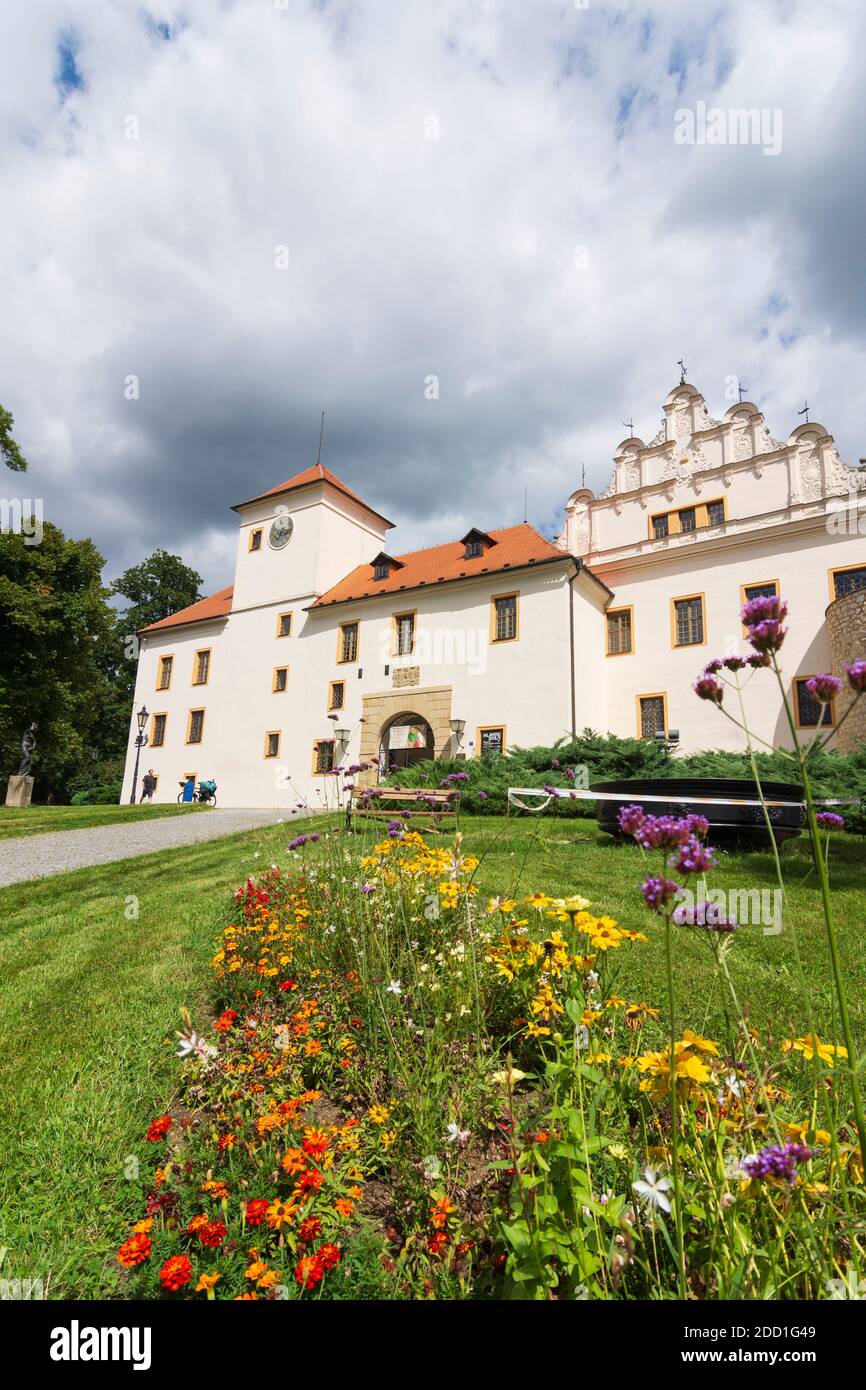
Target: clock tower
(299, 538)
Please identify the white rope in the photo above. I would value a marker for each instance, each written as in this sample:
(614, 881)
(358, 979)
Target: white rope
(640, 797)
(515, 800)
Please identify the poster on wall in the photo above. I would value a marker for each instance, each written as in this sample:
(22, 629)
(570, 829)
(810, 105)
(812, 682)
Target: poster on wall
(491, 740)
(406, 736)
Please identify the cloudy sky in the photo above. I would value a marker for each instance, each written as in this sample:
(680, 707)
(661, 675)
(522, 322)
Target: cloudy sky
(262, 209)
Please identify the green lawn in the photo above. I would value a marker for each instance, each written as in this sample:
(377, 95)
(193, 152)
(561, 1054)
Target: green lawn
(91, 1000)
(34, 820)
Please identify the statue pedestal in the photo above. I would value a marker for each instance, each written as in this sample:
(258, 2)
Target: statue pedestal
(19, 791)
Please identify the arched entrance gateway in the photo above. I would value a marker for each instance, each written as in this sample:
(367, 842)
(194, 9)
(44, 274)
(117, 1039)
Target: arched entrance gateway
(403, 727)
(406, 739)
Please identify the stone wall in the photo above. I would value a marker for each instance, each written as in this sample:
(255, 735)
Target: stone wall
(846, 627)
(432, 703)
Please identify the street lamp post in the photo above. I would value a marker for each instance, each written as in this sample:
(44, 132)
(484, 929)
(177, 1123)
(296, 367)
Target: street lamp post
(140, 741)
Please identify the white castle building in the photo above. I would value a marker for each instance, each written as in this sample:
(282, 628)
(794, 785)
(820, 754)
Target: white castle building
(328, 650)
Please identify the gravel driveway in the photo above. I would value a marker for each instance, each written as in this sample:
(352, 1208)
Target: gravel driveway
(58, 851)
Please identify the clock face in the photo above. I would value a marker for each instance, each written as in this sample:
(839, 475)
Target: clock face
(281, 531)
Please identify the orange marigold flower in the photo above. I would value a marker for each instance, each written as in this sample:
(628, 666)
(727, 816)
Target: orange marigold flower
(315, 1141)
(226, 1141)
(438, 1242)
(329, 1255)
(217, 1190)
(225, 1021)
(312, 1048)
(255, 1271)
(344, 1206)
(310, 1229)
(310, 1181)
(196, 1224)
(159, 1129)
(143, 1228)
(541, 1137)
(206, 1282)
(440, 1212)
(176, 1272)
(134, 1251)
(213, 1233)
(256, 1211)
(281, 1214)
(293, 1161)
(309, 1271)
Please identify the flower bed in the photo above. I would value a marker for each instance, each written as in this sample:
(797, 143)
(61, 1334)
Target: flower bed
(411, 1090)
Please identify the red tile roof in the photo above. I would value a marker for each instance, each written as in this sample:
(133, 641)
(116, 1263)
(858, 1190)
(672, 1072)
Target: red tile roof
(316, 474)
(516, 547)
(215, 606)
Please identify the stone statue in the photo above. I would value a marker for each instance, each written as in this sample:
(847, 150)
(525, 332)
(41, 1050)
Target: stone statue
(28, 743)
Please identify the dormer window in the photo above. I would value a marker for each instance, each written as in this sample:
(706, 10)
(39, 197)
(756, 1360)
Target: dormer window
(475, 543)
(383, 565)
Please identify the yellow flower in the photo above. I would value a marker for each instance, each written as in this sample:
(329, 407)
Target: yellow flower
(501, 904)
(605, 935)
(690, 1039)
(618, 1151)
(256, 1270)
(570, 905)
(387, 1137)
(533, 1030)
(800, 1131)
(206, 1282)
(378, 1114)
(812, 1046)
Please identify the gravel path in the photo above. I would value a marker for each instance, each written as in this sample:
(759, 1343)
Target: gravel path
(58, 851)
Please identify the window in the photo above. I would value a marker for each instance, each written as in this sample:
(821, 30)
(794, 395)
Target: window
(687, 621)
(323, 756)
(157, 730)
(473, 550)
(491, 739)
(404, 634)
(504, 618)
(201, 668)
(652, 715)
(809, 709)
(195, 726)
(347, 648)
(281, 680)
(768, 588)
(272, 744)
(846, 581)
(284, 624)
(619, 631)
(683, 520)
(164, 678)
(381, 570)
(336, 694)
(256, 539)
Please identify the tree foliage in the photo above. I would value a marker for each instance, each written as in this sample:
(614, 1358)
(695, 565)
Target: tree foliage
(9, 451)
(162, 584)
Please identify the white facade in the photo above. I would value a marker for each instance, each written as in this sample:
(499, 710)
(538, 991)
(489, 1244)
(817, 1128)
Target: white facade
(742, 509)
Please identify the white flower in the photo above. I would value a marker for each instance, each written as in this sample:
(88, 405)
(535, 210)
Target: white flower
(456, 1135)
(652, 1190)
(192, 1045)
(394, 987)
(432, 1168)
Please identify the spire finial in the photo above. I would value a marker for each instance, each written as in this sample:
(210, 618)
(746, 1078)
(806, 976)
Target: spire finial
(682, 366)
(805, 411)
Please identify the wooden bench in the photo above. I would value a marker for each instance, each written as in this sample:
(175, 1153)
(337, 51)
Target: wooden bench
(390, 801)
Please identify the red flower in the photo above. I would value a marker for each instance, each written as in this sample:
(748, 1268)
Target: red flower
(329, 1255)
(310, 1229)
(176, 1272)
(311, 1181)
(309, 1271)
(159, 1129)
(226, 1021)
(213, 1233)
(438, 1242)
(133, 1251)
(256, 1211)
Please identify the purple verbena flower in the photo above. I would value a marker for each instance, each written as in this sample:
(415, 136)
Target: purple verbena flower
(692, 857)
(706, 687)
(824, 688)
(856, 673)
(630, 819)
(713, 666)
(778, 1161)
(828, 820)
(768, 608)
(734, 663)
(658, 891)
(767, 636)
(704, 914)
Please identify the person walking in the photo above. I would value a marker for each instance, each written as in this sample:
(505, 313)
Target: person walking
(148, 785)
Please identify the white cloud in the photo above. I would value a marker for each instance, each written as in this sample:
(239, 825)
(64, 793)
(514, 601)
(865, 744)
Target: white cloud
(548, 256)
